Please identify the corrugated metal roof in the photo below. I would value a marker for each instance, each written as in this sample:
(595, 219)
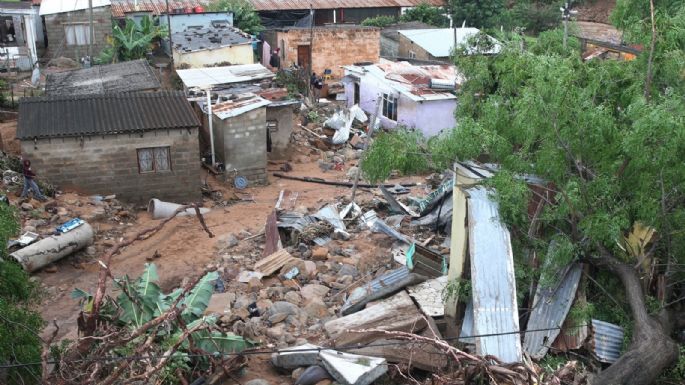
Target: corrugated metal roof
(495, 309)
(281, 5)
(439, 42)
(127, 76)
(550, 307)
(50, 7)
(607, 340)
(214, 76)
(231, 108)
(65, 116)
(158, 7)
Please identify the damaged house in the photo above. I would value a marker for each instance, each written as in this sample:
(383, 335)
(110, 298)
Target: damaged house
(218, 43)
(438, 44)
(328, 47)
(420, 97)
(135, 145)
(129, 76)
(21, 31)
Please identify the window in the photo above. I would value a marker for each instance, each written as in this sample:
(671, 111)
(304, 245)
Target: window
(154, 159)
(272, 125)
(390, 106)
(77, 34)
(412, 55)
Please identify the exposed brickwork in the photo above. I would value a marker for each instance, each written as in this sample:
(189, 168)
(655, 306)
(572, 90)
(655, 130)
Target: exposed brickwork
(240, 142)
(109, 165)
(54, 24)
(406, 46)
(334, 46)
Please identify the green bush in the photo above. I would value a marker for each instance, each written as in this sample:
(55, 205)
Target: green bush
(19, 323)
(401, 150)
(379, 21)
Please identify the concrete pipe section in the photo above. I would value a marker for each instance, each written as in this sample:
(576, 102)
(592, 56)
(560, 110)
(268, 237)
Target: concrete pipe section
(53, 248)
(160, 209)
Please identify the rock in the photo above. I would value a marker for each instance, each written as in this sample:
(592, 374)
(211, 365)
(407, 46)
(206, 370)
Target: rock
(51, 269)
(327, 278)
(282, 307)
(350, 154)
(276, 318)
(263, 305)
(220, 303)
(310, 269)
(254, 285)
(338, 159)
(307, 254)
(319, 253)
(293, 298)
(341, 235)
(314, 291)
(345, 280)
(26, 206)
(276, 332)
(316, 309)
(352, 172)
(91, 251)
(297, 373)
(258, 381)
(243, 301)
(348, 270)
(37, 222)
(29, 228)
(289, 338)
(226, 241)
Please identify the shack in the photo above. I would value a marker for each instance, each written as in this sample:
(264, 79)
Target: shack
(329, 47)
(130, 76)
(19, 35)
(401, 94)
(68, 27)
(135, 145)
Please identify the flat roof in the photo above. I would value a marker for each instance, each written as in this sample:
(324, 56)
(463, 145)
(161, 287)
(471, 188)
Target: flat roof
(128, 76)
(214, 76)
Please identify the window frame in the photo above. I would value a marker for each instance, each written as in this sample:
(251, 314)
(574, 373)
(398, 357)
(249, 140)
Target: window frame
(76, 24)
(388, 101)
(155, 168)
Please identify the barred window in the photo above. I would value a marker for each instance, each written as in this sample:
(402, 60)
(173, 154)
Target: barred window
(390, 107)
(153, 159)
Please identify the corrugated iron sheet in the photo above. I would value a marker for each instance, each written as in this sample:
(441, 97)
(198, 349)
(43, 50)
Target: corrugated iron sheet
(607, 340)
(65, 116)
(129, 76)
(158, 7)
(550, 307)
(467, 325)
(492, 280)
(386, 284)
(214, 76)
(278, 5)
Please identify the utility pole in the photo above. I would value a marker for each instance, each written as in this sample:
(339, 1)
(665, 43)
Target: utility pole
(171, 44)
(372, 124)
(92, 30)
(209, 121)
(311, 47)
(566, 14)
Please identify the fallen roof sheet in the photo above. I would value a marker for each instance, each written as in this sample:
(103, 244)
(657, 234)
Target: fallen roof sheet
(158, 7)
(606, 341)
(127, 76)
(439, 42)
(550, 307)
(214, 76)
(233, 108)
(280, 5)
(51, 7)
(68, 116)
(492, 280)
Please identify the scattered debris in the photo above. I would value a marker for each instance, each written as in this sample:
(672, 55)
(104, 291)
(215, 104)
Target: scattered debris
(352, 369)
(274, 262)
(160, 209)
(53, 248)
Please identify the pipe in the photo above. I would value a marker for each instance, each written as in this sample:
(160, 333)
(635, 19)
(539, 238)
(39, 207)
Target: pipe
(53, 248)
(160, 209)
(332, 183)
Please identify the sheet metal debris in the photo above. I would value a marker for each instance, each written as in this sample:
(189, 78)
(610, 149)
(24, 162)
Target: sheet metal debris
(606, 341)
(429, 296)
(467, 325)
(296, 221)
(330, 214)
(550, 308)
(422, 260)
(287, 200)
(376, 224)
(395, 205)
(381, 287)
(492, 279)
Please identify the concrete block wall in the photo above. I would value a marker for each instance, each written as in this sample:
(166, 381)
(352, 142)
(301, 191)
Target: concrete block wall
(333, 46)
(102, 25)
(280, 140)
(109, 165)
(242, 144)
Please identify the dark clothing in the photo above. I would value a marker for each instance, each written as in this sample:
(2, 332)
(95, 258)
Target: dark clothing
(312, 80)
(28, 173)
(318, 84)
(275, 60)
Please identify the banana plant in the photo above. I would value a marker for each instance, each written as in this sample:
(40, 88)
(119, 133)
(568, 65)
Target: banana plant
(135, 40)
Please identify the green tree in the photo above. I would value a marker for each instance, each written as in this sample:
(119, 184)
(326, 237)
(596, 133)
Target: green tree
(245, 17)
(476, 13)
(533, 16)
(19, 323)
(428, 14)
(379, 21)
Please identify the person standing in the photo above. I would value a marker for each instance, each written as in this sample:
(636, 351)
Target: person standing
(275, 61)
(30, 183)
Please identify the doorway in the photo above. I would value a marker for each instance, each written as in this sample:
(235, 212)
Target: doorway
(303, 56)
(356, 92)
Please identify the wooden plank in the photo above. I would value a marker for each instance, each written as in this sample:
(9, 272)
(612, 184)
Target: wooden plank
(395, 313)
(273, 239)
(420, 355)
(273, 262)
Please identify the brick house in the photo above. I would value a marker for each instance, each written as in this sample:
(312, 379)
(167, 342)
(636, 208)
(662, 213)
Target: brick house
(138, 146)
(333, 46)
(67, 25)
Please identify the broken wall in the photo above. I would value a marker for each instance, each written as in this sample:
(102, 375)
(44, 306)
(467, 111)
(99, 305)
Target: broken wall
(109, 165)
(240, 142)
(280, 136)
(102, 26)
(333, 46)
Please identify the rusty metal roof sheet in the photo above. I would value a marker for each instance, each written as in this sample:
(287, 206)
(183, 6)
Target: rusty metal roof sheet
(281, 5)
(69, 116)
(495, 309)
(550, 307)
(158, 7)
(606, 341)
(232, 108)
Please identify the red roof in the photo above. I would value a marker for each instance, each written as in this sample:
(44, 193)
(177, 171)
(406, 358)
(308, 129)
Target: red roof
(279, 5)
(158, 7)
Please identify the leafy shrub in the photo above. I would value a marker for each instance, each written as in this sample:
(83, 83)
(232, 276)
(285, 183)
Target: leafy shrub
(379, 21)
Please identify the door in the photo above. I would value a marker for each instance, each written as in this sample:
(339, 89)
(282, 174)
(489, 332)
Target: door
(303, 56)
(356, 92)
